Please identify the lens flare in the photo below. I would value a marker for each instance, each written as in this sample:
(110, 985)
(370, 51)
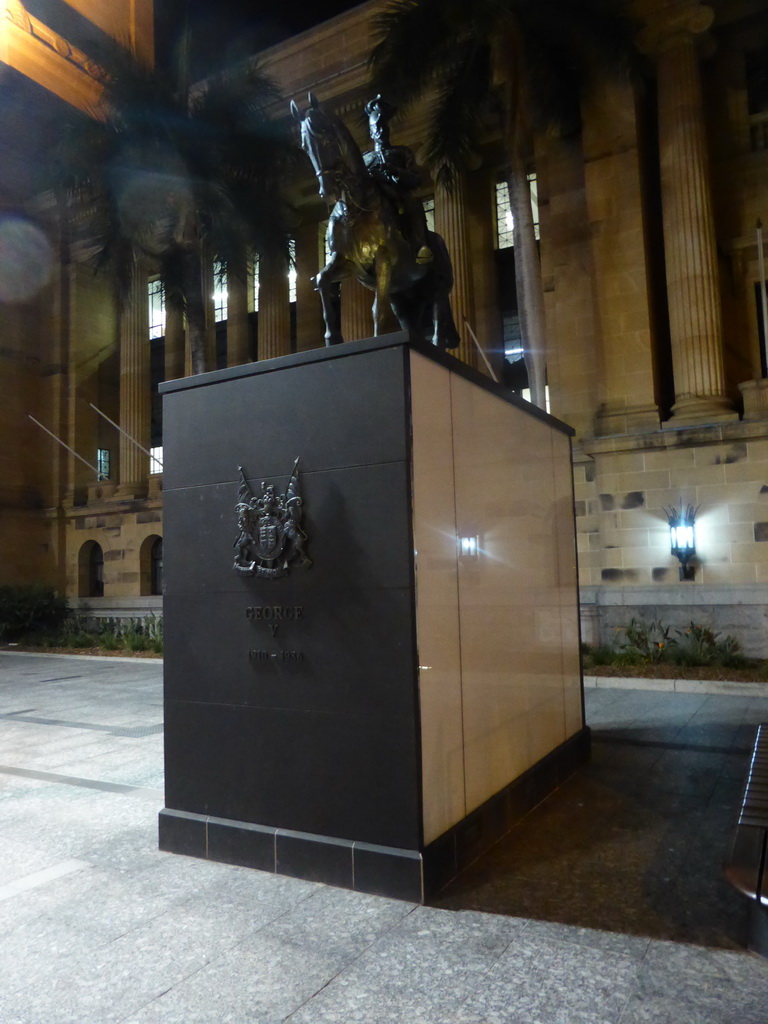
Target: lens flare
(26, 260)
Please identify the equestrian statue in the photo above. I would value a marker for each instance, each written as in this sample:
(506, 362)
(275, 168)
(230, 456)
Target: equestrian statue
(377, 231)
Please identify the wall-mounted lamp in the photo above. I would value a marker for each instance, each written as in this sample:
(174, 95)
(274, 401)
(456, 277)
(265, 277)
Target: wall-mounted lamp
(468, 547)
(682, 538)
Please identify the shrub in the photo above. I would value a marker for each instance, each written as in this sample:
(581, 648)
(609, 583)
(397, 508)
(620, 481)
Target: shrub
(74, 633)
(133, 636)
(647, 642)
(700, 645)
(109, 635)
(153, 625)
(601, 655)
(29, 609)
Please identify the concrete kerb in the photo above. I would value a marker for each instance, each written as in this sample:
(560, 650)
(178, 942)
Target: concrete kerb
(722, 687)
(78, 657)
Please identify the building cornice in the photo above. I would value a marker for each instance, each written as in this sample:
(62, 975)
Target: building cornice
(30, 47)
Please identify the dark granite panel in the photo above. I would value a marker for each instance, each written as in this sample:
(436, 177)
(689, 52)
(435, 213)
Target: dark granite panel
(386, 872)
(356, 653)
(239, 842)
(457, 848)
(440, 862)
(343, 412)
(573, 754)
(316, 858)
(357, 522)
(182, 833)
(343, 775)
(481, 829)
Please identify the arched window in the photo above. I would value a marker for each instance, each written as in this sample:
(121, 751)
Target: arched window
(156, 567)
(151, 565)
(96, 574)
(91, 570)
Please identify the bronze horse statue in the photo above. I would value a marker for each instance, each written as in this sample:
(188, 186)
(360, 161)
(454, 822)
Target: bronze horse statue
(366, 239)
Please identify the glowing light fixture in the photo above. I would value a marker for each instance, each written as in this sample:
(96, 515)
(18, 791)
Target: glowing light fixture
(468, 547)
(682, 537)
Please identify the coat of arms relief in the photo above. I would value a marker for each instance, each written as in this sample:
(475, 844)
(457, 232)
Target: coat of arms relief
(271, 539)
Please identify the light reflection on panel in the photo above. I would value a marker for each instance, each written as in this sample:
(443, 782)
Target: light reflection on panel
(500, 616)
(437, 624)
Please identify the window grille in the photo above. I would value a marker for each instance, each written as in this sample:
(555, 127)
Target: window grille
(102, 463)
(220, 294)
(256, 283)
(156, 302)
(292, 271)
(505, 227)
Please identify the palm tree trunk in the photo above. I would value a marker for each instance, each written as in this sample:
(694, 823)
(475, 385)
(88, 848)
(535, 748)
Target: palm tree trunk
(195, 304)
(530, 291)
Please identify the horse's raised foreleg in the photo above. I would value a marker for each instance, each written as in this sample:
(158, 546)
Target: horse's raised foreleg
(445, 334)
(327, 283)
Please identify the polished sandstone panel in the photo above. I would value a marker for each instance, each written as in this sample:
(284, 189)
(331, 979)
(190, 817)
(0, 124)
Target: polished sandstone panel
(568, 584)
(509, 595)
(497, 632)
(436, 581)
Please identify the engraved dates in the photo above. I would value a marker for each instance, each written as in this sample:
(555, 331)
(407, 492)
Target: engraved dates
(264, 656)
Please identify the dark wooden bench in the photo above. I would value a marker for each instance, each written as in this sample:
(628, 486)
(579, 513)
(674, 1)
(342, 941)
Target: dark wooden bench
(747, 865)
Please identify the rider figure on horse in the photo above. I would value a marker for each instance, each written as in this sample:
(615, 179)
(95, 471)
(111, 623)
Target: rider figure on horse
(396, 171)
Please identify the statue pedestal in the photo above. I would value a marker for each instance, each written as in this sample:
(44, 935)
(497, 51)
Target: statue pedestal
(376, 720)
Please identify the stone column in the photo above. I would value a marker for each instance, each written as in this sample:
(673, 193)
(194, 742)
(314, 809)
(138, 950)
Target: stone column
(274, 308)
(310, 329)
(174, 343)
(693, 290)
(617, 374)
(450, 222)
(238, 350)
(134, 389)
(356, 311)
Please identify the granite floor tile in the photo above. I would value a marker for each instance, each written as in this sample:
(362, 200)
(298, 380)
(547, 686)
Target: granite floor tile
(680, 984)
(551, 982)
(269, 975)
(421, 971)
(560, 922)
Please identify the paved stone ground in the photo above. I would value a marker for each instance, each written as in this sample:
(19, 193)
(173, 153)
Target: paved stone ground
(605, 906)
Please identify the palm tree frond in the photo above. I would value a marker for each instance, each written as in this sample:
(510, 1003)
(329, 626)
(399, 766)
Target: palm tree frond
(457, 117)
(415, 42)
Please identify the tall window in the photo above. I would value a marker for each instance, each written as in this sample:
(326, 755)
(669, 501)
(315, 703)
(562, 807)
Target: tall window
(156, 459)
(157, 322)
(256, 283)
(505, 224)
(156, 309)
(102, 463)
(96, 572)
(292, 275)
(220, 293)
(156, 567)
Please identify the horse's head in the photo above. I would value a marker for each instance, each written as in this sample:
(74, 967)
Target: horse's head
(324, 140)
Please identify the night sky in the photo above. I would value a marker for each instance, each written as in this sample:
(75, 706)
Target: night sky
(227, 30)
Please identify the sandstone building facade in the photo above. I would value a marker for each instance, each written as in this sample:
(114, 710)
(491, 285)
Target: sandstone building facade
(656, 338)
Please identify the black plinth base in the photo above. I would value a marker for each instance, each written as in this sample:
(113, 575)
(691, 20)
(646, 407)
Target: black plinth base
(381, 870)
(758, 928)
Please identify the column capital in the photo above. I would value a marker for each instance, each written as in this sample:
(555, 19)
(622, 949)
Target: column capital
(677, 23)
